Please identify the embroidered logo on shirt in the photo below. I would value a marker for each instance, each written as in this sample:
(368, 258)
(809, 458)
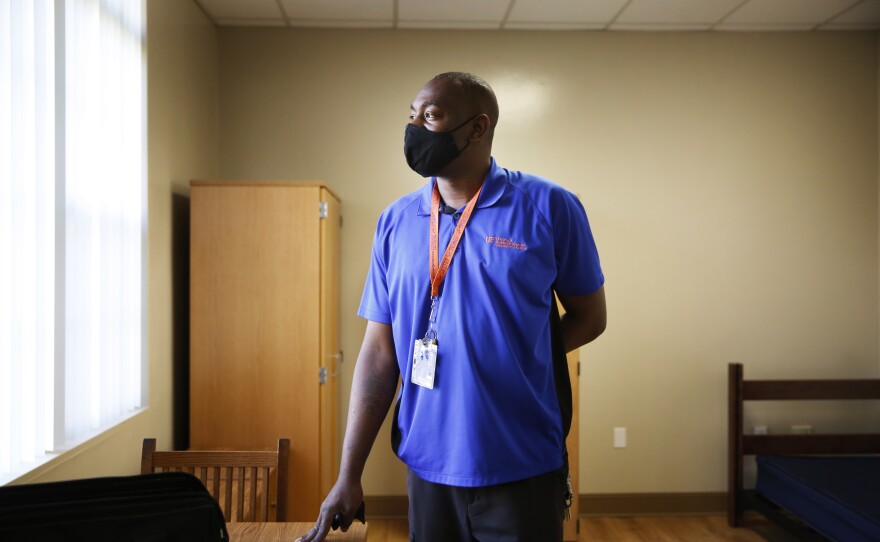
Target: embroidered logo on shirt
(503, 242)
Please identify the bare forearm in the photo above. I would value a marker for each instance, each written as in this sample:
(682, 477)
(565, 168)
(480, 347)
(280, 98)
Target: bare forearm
(372, 392)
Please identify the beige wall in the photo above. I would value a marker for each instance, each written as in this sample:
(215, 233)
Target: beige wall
(731, 181)
(182, 142)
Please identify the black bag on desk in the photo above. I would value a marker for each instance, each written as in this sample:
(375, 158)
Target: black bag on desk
(167, 507)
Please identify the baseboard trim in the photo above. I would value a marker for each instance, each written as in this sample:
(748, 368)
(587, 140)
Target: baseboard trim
(652, 504)
(593, 504)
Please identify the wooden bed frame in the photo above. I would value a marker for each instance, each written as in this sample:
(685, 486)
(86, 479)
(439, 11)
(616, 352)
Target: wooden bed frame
(740, 445)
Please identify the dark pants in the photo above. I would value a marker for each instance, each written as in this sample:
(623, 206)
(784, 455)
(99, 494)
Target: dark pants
(529, 510)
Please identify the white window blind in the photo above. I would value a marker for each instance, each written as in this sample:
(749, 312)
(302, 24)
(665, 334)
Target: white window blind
(72, 222)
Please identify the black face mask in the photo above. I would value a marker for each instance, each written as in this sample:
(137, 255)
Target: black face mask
(429, 152)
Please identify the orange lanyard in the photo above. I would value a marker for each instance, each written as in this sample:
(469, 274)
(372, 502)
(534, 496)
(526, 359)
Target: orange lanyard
(438, 270)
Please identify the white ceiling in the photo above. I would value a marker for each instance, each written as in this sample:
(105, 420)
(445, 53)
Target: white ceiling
(742, 15)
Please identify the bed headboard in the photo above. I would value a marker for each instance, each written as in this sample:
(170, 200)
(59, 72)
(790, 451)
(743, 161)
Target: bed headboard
(739, 444)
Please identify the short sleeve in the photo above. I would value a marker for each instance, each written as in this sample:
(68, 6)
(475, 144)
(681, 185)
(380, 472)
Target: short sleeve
(375, 304)
(578, 271)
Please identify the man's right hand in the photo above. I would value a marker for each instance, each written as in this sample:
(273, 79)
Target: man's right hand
(345, 498)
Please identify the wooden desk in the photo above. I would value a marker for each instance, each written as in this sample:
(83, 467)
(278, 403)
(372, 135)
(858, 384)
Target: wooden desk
(288, 532)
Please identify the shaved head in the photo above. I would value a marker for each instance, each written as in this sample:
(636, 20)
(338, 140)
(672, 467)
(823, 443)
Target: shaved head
(476, 90)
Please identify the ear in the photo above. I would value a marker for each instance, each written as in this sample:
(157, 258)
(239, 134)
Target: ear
(480, 127)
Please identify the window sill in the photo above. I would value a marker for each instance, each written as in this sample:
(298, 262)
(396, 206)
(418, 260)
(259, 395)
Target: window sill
(28, 472)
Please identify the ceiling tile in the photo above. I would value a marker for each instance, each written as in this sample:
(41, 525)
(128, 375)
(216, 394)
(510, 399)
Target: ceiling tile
(569, 11)
(867, 12)
(236, 9)
(677, 11)
(349, 10)
(452, 10)
(787, 12)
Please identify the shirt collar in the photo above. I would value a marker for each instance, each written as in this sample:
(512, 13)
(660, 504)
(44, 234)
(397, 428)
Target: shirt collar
(493, 188)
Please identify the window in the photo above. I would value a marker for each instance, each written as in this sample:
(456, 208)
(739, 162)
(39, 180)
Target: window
(72, 223)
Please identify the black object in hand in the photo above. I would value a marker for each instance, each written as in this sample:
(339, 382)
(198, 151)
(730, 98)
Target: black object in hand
(360, 515)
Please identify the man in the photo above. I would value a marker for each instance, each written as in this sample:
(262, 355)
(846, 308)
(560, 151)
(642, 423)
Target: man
(460, 307)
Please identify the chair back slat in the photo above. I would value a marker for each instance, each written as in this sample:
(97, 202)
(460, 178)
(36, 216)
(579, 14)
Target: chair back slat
(228, 498)
(215, 482)
(241, 482)
(264, 503)
(253, 493)
(240, 489)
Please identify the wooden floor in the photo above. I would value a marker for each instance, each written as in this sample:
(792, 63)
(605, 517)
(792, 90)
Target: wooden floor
(633, 529)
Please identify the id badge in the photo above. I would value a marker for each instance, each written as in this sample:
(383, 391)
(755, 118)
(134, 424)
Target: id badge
(424, 363)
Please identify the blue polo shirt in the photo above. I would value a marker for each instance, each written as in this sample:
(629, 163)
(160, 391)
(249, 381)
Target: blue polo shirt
(493, 415)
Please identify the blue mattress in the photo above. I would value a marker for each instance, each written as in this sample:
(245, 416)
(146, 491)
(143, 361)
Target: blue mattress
(837, 496)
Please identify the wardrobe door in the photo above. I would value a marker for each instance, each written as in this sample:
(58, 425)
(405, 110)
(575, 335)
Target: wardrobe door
(255, 324)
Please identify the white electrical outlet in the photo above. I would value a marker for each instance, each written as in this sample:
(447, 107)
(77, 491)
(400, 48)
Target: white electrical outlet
(620, 437)
(802, 429)
(759, 430)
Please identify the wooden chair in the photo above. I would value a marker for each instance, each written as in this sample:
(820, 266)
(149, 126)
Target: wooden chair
(244, 475)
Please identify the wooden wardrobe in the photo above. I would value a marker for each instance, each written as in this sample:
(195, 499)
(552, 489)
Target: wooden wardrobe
(264, 345)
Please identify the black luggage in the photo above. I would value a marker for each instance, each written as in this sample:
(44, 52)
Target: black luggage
(167, 507)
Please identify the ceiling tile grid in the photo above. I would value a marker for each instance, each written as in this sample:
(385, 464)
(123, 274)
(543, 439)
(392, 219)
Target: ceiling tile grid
(591, 15)
(696, 12)
(490, 11)
(339, 10)
(789, 12)
(596, 13)
(862, 16)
